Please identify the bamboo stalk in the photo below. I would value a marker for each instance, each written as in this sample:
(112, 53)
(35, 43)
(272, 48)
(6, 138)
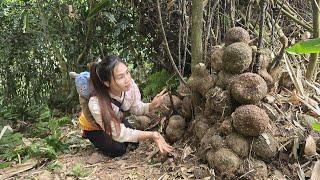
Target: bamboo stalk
(196, 44)
(196, 33)
(313, 65)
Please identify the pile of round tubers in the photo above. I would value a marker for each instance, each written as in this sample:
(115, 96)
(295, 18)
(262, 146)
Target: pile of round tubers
(232, 121)
(234, 130)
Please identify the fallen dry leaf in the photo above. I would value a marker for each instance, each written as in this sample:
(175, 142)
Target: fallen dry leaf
(310, 147)
(315, 175)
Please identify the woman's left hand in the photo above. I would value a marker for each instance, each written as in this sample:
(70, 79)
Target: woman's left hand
(161, 143)
(158, 100)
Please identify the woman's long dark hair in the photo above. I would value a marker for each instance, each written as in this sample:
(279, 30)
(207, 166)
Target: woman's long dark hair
(99, 73)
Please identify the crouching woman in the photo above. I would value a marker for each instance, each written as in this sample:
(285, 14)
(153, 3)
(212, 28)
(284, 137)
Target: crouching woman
(112, 93)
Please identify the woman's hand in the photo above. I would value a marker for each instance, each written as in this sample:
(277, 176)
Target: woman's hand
(161, 143)
(158, 100)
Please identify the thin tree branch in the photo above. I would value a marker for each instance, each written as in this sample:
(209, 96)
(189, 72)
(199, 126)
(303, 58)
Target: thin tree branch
(284, 41)
(287, 13)
(167, 46)
(263, 6)
(185, 32)
(208, 31)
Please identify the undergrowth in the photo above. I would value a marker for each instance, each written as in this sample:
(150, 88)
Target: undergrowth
(40, 138)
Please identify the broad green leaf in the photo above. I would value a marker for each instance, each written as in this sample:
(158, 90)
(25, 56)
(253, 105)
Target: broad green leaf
(305, 47)
(316, 127)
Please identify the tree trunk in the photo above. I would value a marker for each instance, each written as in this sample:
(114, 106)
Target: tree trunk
(196, 33)
(313, 65)
(196, 41)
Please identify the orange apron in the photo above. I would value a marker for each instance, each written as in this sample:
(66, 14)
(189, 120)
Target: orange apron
(87, 125)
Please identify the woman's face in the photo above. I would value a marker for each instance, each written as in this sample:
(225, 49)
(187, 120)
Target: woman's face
(121, 80)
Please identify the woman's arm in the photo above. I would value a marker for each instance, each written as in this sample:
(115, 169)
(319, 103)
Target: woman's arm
(128, 134)
(157, 138)
(158, 100)
(125, 134)
(140, 108)
(137, 107)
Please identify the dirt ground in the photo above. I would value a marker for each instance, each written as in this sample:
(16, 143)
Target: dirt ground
(142, 163)
(83, 161)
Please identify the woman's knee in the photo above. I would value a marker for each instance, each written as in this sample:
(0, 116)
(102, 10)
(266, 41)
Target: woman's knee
(116, 151)
(107, 145)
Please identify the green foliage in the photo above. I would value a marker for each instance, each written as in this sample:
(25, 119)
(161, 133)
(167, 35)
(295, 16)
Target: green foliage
(46, 141)
(10, 140)
(11, 111)
(305, 47)
(46, 124)
(40, 42)
(316, 127)
(54, 165)
(36, 149)
(158, 81)
(78, 171)
(49, 127)
(5, 165)
(103, 4)
(17, 110)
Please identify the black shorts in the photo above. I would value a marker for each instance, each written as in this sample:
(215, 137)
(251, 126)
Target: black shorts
(106, 144)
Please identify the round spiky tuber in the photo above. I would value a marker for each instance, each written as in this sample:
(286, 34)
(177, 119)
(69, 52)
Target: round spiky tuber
(224, 79)
(186, 110)
(201, 80)
(237, 34)
(226, 126)
(265, 146)
(175, 128)
(250, 120)
(211, 140)
(183, 90)
(166, 108)
(201, 127)
(248, 88)
(260, 170)
(237, 57)
(141, 122)
(218, 101)
(215, 60)
(238, 144)
(224, 160)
